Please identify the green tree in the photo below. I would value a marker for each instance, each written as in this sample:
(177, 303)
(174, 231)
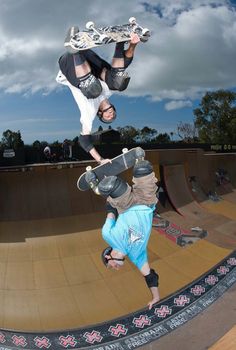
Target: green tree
(128, 134)
(147, 134)
(36, 144)
(56, 143)
(162, 138)
(12, 139)
(215, 119)
(44, 144)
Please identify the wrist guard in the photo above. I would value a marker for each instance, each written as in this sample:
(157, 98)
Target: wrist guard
(119, 50)
(152, 279)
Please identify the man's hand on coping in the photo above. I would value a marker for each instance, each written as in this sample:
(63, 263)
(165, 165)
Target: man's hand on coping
(104, 161)
(152, 302)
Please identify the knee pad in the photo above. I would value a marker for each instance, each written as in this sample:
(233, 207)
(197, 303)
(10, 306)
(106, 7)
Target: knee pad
(91, 177)
(90, 86)
(142, 168)
(117, 79)
(112, 186)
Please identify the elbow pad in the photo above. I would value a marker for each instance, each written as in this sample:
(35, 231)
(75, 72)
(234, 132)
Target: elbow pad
(86, 142)
(152, 279)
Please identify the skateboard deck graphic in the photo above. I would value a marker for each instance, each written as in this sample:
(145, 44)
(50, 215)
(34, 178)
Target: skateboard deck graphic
(175, 233)
(93, 36)
(119, 164)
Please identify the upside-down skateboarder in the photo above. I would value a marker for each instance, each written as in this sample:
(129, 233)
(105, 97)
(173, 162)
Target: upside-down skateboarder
(129, 220)
(91, 79)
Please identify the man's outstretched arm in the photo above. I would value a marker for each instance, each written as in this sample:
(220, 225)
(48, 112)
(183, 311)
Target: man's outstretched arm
(122, 58)
(86, 142)
(151, 278)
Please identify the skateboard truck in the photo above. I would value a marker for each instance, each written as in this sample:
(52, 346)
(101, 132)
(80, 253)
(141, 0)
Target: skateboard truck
(140, 154)
(70, 41)
(92, 180)
(145, 32)
(98, 37)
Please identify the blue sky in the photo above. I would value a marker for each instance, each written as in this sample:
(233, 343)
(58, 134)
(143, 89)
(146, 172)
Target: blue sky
(192, 50)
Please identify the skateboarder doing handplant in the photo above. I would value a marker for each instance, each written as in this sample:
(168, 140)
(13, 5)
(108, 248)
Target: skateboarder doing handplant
(129, 220)
(91, 80)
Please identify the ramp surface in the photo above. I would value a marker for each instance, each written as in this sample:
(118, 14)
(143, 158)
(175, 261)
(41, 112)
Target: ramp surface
(51, 274)
(179, 192)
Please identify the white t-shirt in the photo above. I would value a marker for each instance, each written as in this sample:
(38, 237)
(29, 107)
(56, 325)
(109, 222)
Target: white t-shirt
(88, 107)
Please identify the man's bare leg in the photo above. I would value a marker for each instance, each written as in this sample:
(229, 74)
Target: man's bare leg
(82, 67)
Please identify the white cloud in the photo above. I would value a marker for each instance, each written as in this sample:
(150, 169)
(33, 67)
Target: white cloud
(27, 121)
(192, 48)
(169, 106)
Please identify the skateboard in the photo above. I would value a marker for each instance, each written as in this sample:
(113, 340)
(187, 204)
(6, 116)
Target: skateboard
(92, 37)
(118, 164)
(175, 233)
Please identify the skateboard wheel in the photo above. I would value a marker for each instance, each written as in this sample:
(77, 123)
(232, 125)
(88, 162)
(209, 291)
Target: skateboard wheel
(103, 38)
(88, 168)
(90, 25)
(144, 38)
(132, 20)
(145, 31)
(124, 150)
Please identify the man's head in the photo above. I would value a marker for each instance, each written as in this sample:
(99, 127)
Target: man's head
(108, 114)
(47, 150)
(112, 259)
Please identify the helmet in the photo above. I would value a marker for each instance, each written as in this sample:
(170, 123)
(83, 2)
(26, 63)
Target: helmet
(100, 113)
(107, 251)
